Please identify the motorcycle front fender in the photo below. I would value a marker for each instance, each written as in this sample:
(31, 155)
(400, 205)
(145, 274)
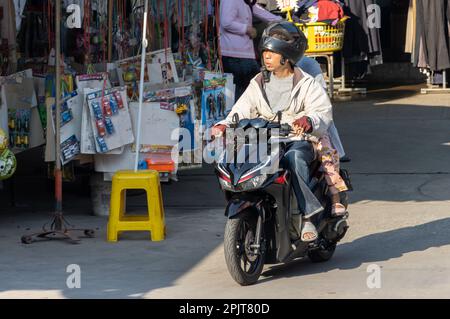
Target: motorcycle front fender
(237, 206)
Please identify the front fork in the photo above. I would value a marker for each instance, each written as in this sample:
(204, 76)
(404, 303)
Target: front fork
(259, 246)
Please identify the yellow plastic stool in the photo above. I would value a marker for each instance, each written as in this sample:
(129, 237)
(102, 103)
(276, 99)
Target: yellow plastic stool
(120, 222)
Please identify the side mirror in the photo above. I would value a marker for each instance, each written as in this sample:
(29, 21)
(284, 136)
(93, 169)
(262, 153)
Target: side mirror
(236, 119)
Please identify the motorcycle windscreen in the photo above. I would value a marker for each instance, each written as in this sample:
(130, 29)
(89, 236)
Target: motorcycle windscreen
(250, 158)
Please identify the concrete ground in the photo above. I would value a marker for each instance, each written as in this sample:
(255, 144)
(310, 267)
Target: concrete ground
(400, 222)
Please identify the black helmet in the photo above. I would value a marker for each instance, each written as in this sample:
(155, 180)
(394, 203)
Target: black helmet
(286, 39)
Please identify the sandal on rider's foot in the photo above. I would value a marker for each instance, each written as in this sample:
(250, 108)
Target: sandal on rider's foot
(338, 210)
(309, 232)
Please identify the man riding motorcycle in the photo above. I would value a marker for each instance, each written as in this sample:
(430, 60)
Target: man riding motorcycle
(303, 102)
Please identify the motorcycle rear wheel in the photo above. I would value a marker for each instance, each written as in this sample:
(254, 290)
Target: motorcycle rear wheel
(244, 266)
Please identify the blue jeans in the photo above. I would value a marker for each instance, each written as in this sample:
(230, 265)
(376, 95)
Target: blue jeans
(298, 158)
(243, 70)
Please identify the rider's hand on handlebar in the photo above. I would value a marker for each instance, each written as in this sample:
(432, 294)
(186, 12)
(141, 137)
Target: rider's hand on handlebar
(297, 130)
(303, 125)
(218, 130)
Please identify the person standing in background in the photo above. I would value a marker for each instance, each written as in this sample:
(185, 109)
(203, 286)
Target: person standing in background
(236, 39)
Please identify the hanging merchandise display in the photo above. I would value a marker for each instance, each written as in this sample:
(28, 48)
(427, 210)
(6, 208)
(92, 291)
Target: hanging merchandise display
(362, 46)
(39, 87)
(187, 26)
(19, 8)
(128, 71)
(3, 140)
(89, 83)
(429, 43)
(310, 11)
(160, 65)
(162, 68)
(33, 37)
(191, 16)
(19, 128)
(95, 25)
(7, 158)
(8, 164)
(70, 130)
(98, 110)
(8, 36)
(21, 114)
(362, 41)
(46, 109)
(111, 124)
(100, 7)
(67, 85)
(160, 108)
(180, 100)
(213, 101)
(430, 47)
(127, 28)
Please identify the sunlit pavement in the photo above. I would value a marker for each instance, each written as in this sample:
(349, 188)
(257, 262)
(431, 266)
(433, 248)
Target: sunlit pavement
(400, 225)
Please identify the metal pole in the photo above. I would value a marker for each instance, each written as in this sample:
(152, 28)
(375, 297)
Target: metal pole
(444, 79)
(343, 71)
(58, 172)
(110, 29)
(141, 85)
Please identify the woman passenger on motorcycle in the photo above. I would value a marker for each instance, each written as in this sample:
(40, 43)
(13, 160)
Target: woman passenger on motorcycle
(329, 148)
(304, 104)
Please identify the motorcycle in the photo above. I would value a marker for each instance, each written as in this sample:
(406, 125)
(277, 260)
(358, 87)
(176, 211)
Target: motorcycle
(263, 224)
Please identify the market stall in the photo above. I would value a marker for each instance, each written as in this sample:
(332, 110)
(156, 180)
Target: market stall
(428, 43)
(100, 68)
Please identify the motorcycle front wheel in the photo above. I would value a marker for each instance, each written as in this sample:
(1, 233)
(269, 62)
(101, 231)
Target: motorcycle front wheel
(244, 265)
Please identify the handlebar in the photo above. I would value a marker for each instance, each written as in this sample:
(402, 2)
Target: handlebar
(283, 129)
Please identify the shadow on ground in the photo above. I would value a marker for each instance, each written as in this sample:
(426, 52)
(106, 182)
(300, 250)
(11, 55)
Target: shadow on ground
(372, 248)
(127, 269)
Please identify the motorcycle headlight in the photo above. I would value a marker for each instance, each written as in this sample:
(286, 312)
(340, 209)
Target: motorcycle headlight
(225, 184)
(253, 183)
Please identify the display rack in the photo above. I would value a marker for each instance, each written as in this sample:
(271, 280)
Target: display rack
(436, 88)
(343, 90)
